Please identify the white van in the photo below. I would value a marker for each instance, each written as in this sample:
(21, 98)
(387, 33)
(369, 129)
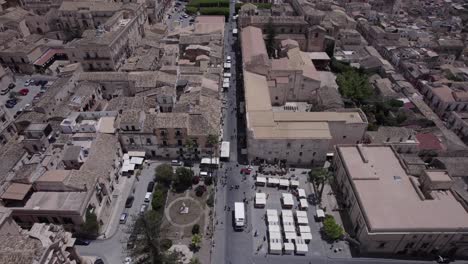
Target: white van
(147, 197)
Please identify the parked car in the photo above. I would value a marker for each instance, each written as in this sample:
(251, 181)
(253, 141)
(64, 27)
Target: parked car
(28, 82)
(128, 260)
(82, 242)
(24, 91)
(131, 241)
(99, 261)
(150, 187)
(177, 163)
(37, 97)
(4, 91)
(147, 197)
(246, 170)
(143, 208)
(312, 199)
(11, 86)
(129, 202)
(123, 218)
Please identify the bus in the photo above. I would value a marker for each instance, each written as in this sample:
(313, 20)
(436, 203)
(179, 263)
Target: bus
(225, 149)
(239, 216)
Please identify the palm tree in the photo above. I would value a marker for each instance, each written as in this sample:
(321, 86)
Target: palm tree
(319, 177)
(212, 142)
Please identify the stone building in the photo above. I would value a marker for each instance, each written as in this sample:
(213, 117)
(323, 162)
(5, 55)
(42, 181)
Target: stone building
(369, 176)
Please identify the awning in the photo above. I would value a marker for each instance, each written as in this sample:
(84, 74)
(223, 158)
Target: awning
(289, 227)
(16, 191)
(320, 213)
(302, 221)
(294, 183)
(272, 212)
(273, 181)
(48, 56)
(128, 167)
(260, 198)
(286, 213)
(136, 160)
(288, 247)
(304, 229)
(303, 203)
(284, 183)
(136, 154)
(272, 219)
(302, 193)
(274, 235)
(288, 199)
(290, 235)
(261, 180)
(274, 229)
(306, 236)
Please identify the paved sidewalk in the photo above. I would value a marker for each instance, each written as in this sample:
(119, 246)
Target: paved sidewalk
(120, 194)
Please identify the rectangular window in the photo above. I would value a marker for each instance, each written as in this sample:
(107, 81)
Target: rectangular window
(148, 141)
(132, 141)
(67, 220)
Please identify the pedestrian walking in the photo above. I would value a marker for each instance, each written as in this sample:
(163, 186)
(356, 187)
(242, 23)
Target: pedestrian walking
(264, 238)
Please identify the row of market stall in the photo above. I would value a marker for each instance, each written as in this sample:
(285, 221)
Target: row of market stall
(131, 161)
(276, 183)
(287, 202)
(290, 234)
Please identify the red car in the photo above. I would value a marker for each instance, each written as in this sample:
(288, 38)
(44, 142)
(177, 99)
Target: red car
(24, 91)
(246, 171)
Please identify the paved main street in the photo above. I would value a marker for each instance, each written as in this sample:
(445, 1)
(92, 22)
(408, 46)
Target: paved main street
(112, 249)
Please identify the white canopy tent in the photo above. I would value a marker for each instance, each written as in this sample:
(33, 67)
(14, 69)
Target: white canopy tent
(136, 154)
(304, 229)
(126, 156)
(283, 183)
(301, 246)
(260, 181)
(276, 246)
(274, 228)
(287, 200)
(289, 227)
(288, 248)
(260, 199)
(128, 167)
(272, 212)
(303, 205)
(294, 183)
(301, 193)
(306, 236)
(290, 236)
(136, 160)
(302, 220)
(273, 182)
(286, 213)
(320, 213)
(274, 235)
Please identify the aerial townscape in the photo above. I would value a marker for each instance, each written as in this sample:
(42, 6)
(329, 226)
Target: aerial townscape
(233, 132)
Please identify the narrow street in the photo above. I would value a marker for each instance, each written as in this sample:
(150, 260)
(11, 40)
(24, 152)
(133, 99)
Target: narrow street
(114, 248)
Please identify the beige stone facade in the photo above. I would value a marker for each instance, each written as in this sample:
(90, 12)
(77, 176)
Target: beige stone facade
(106, 48)
(394, 213)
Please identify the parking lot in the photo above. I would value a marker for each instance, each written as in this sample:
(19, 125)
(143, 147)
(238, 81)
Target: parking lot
(23, 101)
(177, 16)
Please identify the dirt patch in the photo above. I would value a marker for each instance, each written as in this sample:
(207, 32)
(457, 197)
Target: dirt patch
(194, 211)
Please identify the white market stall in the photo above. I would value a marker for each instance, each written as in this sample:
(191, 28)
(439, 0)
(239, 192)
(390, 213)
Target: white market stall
(260, 200)
(288, 248)
(274, 228)
(301, 193)
(275, 246)
(289, 227)
(272, 219)
(283, 183)
(319, 214)
(304, 229)
(272, 212)
(274, 235)
(273, 182)
(303, 205)
(294, 183)
(141, 154)
(260, 181)
(306, 236)
(286, 213)
(301, 246)
(287, 200)
(301, 218)
(290, 236)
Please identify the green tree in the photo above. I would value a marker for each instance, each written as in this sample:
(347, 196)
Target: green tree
(90, 228)
(147, 238)
(183, 179)
(159, 199)
(194, 260)
(354, 86)
(190, 145)
(270, 39)
(333, 230)
(319, 177)
(212, 142)
(196, 241)
(164, 174)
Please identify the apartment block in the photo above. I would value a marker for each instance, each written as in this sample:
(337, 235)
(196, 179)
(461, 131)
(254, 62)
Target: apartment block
(106, 48)
(395, 213)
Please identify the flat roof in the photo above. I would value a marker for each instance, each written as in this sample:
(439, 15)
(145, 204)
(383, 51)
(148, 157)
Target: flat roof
(16, 191)
(388, 199)
(56, 201)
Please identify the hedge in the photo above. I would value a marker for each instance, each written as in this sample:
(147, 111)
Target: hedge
(211, 11)
(191, 10)
(259, 6)
(208, 3)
